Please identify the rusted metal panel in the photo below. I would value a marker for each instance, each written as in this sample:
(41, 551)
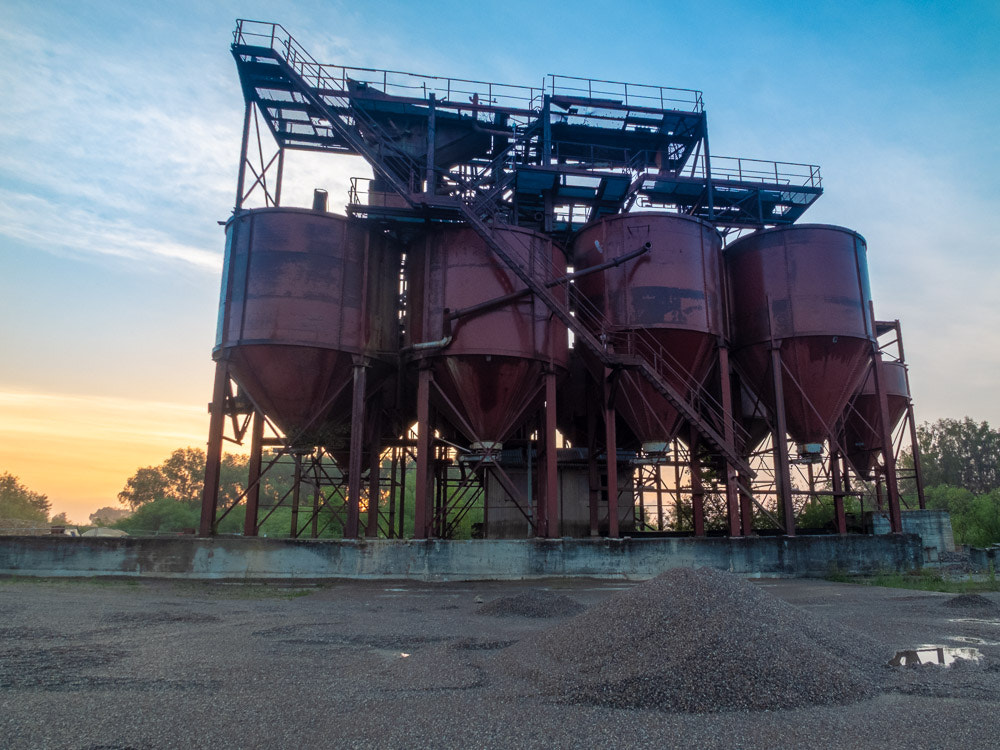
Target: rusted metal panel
(487, 366)
(804, 289)
(667, 304)
(304, 295)
(862, 436)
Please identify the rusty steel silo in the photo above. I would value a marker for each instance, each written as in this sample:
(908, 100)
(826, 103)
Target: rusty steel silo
(667, 304)
(306, 297)
(801, 293)
(473, 325)
(862, 440)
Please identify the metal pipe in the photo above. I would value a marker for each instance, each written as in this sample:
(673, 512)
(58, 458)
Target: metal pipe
(498, 301)
(439, 344)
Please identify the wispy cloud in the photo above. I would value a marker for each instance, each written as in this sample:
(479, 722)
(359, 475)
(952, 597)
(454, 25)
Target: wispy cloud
(53, 227)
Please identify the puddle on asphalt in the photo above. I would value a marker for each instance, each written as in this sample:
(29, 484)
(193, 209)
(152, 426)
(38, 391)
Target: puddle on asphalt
(976, 621)
(941, 655)
(975, 641)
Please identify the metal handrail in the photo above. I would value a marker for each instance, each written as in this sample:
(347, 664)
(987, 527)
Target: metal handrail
(629, 94)
(455, 91)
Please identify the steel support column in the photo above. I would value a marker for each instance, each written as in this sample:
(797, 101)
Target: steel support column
(429, 177)
(213, 454)
(611, 448)
(593, 473)
(551, 471)
(296, 490)
(729, 434)
(242, 175)
(374, 473)
(914, 444)
(838, 493)
(422, 493)
(697, 491)
(253, 474)
(885, 430)
(782, 465)
(351, 528)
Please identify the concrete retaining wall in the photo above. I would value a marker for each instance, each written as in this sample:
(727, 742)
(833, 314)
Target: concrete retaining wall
(246, 558)
(932, 526)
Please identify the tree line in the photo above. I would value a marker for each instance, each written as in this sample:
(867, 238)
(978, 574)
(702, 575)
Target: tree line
(960, 461)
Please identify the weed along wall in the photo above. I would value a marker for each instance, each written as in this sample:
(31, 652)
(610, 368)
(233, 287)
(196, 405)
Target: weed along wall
(429, 560)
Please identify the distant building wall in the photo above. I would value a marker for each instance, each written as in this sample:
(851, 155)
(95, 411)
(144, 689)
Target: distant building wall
(637, 559)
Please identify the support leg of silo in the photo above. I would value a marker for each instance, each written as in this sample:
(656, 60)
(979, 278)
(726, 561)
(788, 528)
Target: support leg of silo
(357, 451)
(253, 474)
(885, 431)
(374, 476)
(611, 448)
(911, 420)
(782, 466)
(697, 492)
(729, 433)
(593, 474)
(746, 513)
(422, 492)
(213, 455)
(551, 467)
(838, 494)
(296, 494)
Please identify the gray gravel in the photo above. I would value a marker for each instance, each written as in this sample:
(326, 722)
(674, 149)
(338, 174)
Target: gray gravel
(535, 603)
(972, 601)
(700, 640)
(155, 664)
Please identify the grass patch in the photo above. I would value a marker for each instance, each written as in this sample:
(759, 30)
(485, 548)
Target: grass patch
(240, 590)
(920, 580)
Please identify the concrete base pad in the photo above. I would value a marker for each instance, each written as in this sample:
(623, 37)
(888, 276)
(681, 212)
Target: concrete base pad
(440, 560)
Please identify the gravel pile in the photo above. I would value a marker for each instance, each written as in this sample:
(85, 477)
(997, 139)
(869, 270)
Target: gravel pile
(698, 641)
(972, 601)
(535, 603)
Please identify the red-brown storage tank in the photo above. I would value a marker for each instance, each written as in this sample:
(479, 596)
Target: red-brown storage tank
(669, 300)
(862, 436)
(490, 368)
(807, 287)
(303, 294)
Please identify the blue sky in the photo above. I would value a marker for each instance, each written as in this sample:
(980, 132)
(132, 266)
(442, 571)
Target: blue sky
(121, 133)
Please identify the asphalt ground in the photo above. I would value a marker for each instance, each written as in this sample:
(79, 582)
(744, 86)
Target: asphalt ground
(390, 664)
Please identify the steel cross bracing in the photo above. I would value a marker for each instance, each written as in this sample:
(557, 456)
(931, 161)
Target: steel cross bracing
(365, 136)
(477, 196)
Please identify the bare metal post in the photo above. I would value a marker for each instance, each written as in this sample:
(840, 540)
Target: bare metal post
(551, 467)
(838, 493)
(431, 140)
(242, 176)
(611, 448)
(729, 433)
(213, 456)
(357, 449)
(296, 490)
(422, 492)
(782, 465)
(697, 492)
(281, 173)
(914, 444)
(374, 472)
(885, 429)
(253, 471)
(593, 474)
